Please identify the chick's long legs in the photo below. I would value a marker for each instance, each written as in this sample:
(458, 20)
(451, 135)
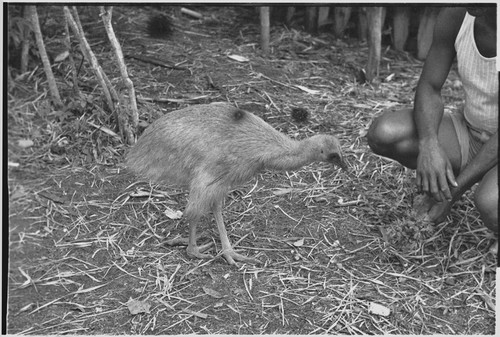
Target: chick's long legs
(192, 249)
(227, 250)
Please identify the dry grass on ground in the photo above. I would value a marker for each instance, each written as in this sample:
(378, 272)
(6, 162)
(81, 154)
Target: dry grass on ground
(86, 252)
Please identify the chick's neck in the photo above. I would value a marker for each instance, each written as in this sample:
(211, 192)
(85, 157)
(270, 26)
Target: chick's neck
(290, 155)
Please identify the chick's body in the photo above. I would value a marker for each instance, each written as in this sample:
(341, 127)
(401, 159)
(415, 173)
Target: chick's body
(211, 149)
(217, 140)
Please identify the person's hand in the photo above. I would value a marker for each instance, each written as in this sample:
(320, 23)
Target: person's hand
(434, 172)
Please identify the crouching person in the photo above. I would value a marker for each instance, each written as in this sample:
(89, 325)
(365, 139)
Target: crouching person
(451, 151)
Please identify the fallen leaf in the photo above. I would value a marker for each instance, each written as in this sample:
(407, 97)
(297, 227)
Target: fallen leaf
(26, 308)
(136, 307)
(282, 191)
(61, 57)
(390, 77)
(212, 292)
(238, 58)
(174, 215)
(299, 243)
(25, 143)
(309, 91)
(378, 309)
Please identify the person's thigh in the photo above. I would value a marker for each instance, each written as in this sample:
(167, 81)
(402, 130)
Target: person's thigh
(486, 199)
(394, 135)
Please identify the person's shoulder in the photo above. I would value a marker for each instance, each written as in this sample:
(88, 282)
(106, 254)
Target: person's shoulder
(449, 21)
(452, 16)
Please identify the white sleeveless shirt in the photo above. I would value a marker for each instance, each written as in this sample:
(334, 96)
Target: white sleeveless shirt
(480, 80)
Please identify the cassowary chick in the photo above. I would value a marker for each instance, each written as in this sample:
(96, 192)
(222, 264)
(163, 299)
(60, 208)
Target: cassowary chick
(212, 148)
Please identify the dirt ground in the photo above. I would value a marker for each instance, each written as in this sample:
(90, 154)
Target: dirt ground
(341, 251)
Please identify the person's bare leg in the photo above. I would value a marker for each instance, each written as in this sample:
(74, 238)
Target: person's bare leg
(486, 199)
(394, 135)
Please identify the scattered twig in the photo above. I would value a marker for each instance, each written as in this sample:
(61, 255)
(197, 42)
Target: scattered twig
(154, 61)
(192, 13)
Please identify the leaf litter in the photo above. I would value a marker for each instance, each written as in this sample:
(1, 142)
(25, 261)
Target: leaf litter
(326, 269)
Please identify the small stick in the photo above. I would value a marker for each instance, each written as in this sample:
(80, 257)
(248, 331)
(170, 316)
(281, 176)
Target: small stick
(191, 13)
(195, 33)
(272, 102)
(237, 242)
(172, 100)
(104, 129)
(154, 61)
(194, 313)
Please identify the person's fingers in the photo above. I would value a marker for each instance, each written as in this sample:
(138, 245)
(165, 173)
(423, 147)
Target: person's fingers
(451, 176)
(424, 186)
(434, 189)
(444, 188)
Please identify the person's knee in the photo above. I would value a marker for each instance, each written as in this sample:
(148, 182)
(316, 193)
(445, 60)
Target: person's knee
(378, 135)
(486, 202)
(385, 134)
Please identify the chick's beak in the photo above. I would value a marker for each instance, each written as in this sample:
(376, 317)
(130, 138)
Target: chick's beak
(339, 161)
(342, 164)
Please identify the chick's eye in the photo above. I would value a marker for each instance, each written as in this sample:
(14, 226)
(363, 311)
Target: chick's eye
(333, 156)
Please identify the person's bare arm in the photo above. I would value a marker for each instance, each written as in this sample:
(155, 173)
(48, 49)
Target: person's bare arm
(483, 162)
(434, 169)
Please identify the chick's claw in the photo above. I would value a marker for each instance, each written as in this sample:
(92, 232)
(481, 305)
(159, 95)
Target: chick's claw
(181, 241)
(197, 251)
(231, 256)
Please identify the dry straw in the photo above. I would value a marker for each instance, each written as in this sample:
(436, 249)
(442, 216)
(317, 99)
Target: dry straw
(85, 237)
